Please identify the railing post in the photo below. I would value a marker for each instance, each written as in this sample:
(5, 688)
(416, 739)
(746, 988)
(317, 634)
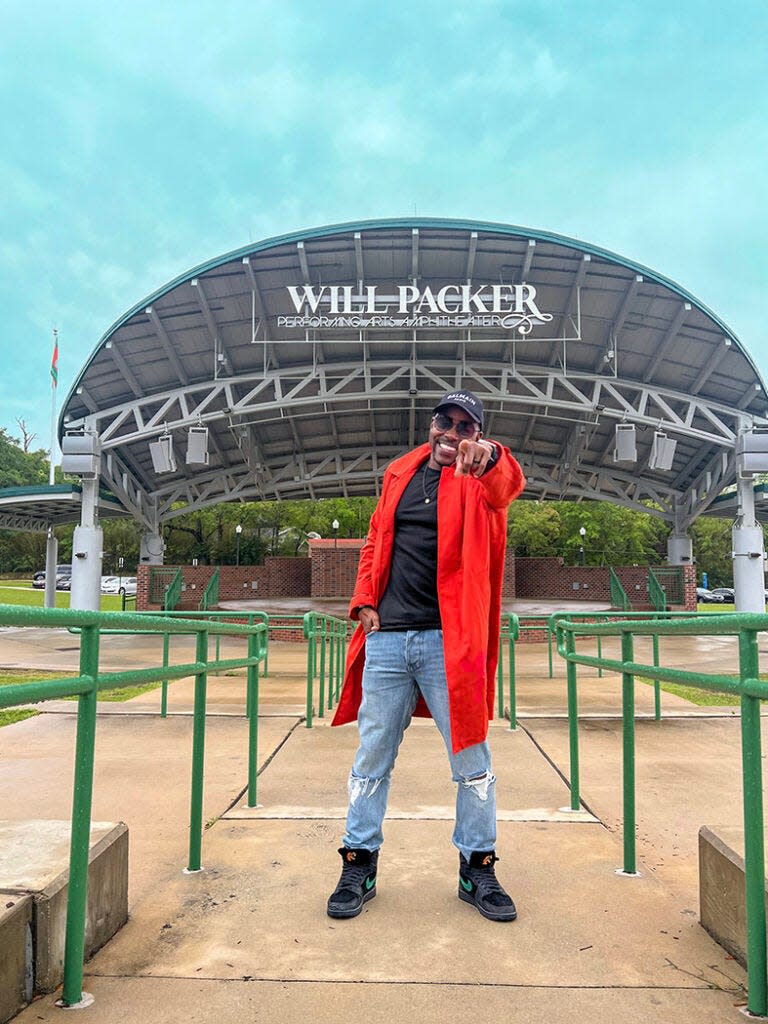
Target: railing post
(656, 683)
(80, 837)
(628, 714)
(754, 844)
(600, 655)
(321, 679)
(164, 682)
(512, 681)
(331, 664)
(550, 630)
(500, 679)
(573, 721)
(342, 627)
(310, 632)
(198, 756)
(253, 717)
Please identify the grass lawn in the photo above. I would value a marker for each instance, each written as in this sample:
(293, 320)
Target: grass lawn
(8, 676)
(704, 698)
(22, 592)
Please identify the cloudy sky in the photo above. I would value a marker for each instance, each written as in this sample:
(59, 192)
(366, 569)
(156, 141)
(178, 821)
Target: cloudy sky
(139, 139)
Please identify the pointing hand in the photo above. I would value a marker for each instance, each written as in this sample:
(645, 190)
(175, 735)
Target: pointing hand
(473, 457)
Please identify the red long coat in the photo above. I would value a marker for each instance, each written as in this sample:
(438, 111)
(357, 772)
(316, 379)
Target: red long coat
(471, 539)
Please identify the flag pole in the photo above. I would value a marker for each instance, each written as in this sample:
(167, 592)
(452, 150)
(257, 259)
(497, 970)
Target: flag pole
(54, 382)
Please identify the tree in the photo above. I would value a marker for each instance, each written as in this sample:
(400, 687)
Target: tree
(19, 468)
(26, 437)
(712, 546)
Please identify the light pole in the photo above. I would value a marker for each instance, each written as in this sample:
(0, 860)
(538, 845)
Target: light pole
(582, 534)
(238, 531)
(335, 528)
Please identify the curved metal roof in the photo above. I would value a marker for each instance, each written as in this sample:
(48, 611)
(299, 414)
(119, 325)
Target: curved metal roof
(317, 406)
(38, 507)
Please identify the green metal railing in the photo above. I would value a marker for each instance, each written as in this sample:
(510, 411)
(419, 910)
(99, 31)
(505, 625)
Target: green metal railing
(245, 617)
(656, 594)
(210, 597)
(326, 638)
(85, 687)
(172, 594)
(619, 598)
(160, 579)
(670, 579)
(746, 685)
(594, 617)
(509, 634)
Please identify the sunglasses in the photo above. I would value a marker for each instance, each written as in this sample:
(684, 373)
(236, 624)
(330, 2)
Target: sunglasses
(464, 428)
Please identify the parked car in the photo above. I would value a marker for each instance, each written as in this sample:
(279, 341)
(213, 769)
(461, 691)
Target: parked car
(704, 596)
(118, 584)
(726, 593)
(63, 572)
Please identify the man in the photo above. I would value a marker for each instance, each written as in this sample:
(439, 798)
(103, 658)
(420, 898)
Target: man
(428, 602)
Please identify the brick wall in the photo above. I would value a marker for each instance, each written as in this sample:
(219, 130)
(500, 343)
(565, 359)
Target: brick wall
(334, 567)
(278, 577)
(508, 586)
(289, 577)
(689, 587)
(549, 578)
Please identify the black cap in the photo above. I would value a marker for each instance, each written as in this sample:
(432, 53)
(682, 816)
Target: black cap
(464, 400)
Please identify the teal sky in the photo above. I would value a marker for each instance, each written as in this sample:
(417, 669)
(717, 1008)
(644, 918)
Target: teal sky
(139, 139)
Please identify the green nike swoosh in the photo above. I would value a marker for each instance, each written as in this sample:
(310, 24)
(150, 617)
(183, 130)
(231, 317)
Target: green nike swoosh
(466, 886)
(370, 882)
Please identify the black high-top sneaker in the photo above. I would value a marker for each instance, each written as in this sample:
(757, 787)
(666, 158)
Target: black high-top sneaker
(357, 884)
(479, 886)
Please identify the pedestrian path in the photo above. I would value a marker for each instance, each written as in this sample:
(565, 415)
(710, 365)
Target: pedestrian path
(247, 939)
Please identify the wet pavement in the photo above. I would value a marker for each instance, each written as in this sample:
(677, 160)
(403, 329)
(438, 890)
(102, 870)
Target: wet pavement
(248, 938)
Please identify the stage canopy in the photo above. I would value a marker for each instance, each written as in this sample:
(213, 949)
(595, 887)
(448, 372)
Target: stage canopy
(300, 366)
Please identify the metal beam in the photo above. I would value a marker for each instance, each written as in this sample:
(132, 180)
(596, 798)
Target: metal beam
(123, 369)
(531, 387)
(709, 367)
(167, 347)
(415, 254)
(682, 311)
(634, 284)
(471, 253)
(220, 354)
(303, 262)
(359, 266)
(527, 260)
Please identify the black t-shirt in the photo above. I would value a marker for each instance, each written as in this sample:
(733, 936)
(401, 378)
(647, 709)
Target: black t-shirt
(410, 600)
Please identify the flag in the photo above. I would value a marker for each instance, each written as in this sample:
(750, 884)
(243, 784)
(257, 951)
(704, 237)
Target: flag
(55, 362)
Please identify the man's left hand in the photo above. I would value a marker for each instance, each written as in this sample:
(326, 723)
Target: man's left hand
(473, 457)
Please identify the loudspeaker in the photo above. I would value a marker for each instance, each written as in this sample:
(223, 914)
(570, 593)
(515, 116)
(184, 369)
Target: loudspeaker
(80, 454)
(662, 452)
(752, 450)
(161, 451)
(197, 446)
(626, 448)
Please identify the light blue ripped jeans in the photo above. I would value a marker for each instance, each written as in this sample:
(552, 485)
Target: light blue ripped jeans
(397, 667)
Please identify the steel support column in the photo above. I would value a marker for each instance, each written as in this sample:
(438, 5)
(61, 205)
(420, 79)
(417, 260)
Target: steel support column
(748, 550)
(87, 551)
(51, 560)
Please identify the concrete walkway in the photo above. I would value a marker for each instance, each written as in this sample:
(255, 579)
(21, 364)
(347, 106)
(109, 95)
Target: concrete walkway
(248, 938)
